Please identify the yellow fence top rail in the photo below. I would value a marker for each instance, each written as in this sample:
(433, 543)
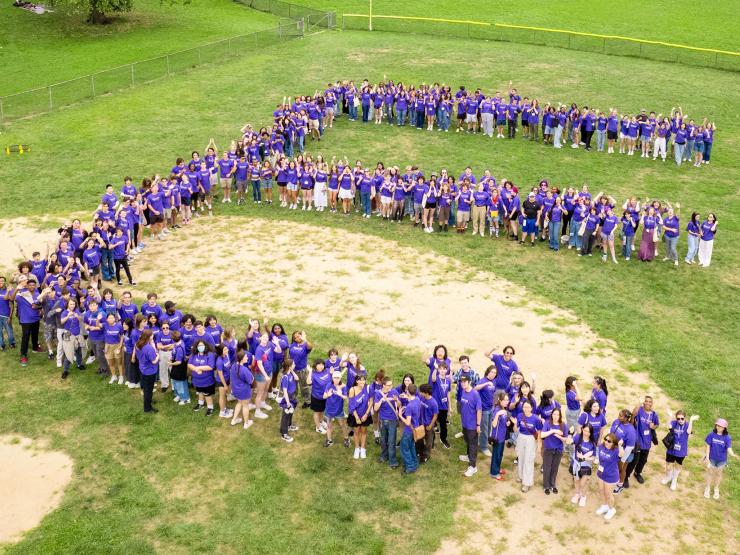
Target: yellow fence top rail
(482, 23)
(546, 30)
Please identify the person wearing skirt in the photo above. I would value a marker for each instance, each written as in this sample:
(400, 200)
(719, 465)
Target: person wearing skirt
(647, 245)
(706, 240)
(320, 188)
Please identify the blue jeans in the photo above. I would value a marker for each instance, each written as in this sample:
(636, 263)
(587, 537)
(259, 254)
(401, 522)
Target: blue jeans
(365, 112)
(689, 152)
(365, 199)
(301, 142)
(600, 139)
(352, 112)
(678, 152)
(707, 151)
(575, 239)
(388, 430)
(6, 325)
(555, 235)
(408, 208)
(408, 452)
(256, 191)
(498, 455)
(389, 113)
(400, 117)
(289, 149)
(412, 117)
(692, 240)
(107, 264)
(485, 430)
(627, 245)
(180, 387)
(419, 119)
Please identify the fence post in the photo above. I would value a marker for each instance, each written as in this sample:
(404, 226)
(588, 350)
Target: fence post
(132, 75)
(51, 103)
(92, 82)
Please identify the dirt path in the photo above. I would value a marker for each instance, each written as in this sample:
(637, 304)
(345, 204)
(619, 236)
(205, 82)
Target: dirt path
(32, 482)
(333, 278)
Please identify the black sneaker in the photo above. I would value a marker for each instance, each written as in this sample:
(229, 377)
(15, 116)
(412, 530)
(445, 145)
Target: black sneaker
(639, 478)
(618, 489)
(346, 442)
(64, 375)
(377, 441)
(12, 345)
(151, 410)
(555, 490)
(2, 349)
(445, 444)
(547, 491)
(305, 405)
(51, 354)
(197, 407)
(328, 443)
(209, 412)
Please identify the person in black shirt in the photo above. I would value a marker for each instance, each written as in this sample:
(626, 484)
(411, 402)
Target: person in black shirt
(531, 209)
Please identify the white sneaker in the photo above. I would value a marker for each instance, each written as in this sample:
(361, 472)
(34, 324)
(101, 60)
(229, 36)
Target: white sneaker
(271, 395)
(286, 438)
(252, 406)
(357, 453)
(575, 498)
(259, 414)
(603, 509)
(667, 479)
(90, 360)
(223, 414)
(112, 380)
(185, 402)
(487, 453)
(470, 471)
(230, 397)
(363, 453)
(235, 421)
(121, 380)
(458, 435)
(176, 399)
(248, 423)
(131, 385)
(582, 502)
(610, 513)
(464, 458)
(323, 425)
(674, 485)
(320, 430)
(265, 406)
(706, 493)
(716, 493)
(293, 428)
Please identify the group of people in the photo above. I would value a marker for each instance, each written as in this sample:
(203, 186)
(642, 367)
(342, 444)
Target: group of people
(158, 345)
(430, 106)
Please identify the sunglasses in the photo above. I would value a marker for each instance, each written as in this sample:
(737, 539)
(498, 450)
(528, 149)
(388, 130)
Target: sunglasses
(680, 419)
(608, 442)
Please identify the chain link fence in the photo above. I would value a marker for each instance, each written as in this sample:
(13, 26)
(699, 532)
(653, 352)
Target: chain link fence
(296, 21)
(603, 44)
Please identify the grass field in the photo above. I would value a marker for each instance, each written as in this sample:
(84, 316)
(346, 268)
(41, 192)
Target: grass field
(680, 326)
(63, 46)
(681, 22)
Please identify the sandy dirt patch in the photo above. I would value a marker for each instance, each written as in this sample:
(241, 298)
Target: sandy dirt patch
(32, 482)
(333, 278)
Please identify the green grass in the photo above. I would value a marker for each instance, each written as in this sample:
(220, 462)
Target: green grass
(39, 50)
(177, 482)
(679, 326)
(681, 22)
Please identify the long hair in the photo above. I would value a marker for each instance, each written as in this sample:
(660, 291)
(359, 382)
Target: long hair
(146, 335)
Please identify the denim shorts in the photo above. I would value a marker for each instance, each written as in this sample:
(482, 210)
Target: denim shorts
(292, 186)
(717, 464)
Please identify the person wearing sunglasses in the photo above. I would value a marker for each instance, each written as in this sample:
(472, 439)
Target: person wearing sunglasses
(608, 473)
(676, 453)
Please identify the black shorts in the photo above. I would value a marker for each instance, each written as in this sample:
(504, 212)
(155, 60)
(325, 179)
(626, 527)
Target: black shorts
(353, 423)
(186, 201)
(461, 117)
(156, 219)
(611, 135)
(525, 123)
(318, 405)
(207, 390)
(674, 459)
(583, 471)
(281, 184)
(201, 197)
(147, 216)
(430, 205)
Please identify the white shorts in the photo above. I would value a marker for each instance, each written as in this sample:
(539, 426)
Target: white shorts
(471, 118)
(386, 200)
(346, 194)
(313, 124)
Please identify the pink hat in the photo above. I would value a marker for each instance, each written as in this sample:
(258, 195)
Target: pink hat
(721, 422)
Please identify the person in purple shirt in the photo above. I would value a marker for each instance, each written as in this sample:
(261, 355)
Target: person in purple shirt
(623, 427)
(429, 416)
(385, 405)
(298, 350)
(692, 237)
(527, 425)
(179, 370)
(555, 216)
(360, 413)
(442, 392)
(148, 360)
(499, 425)
(646, 421)
(593, 416)
(677, 450)
(607, 456)
(718, 446)
(241, 388)
(608, 229)
(670, 234)
(470, 417)
(334, 396)
(410, 417)
(201, 364)
(6, 312)
(485, 388)
(287, 399)
(113, 339)
(707, 230)
(26, 296)
(554, 437)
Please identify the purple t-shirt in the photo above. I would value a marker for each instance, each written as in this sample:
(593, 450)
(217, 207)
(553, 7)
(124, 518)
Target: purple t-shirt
(597, 422)
(551, 441)
(680, 447)
(429, 408)
(388, 407)
(145, 356)
(528, 425)
(706, 231)
(241, 382)
(504, 370)
(206, 377)
(718, 446)
(498, 433)
(608, 467)
(643, 420)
